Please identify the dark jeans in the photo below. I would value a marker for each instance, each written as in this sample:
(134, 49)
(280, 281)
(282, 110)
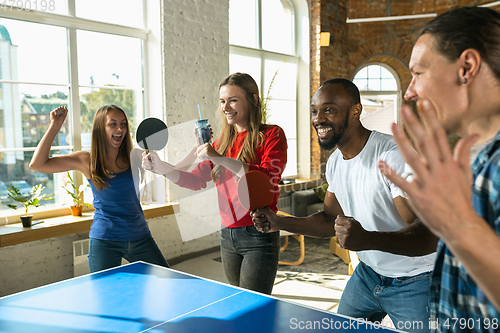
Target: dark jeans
(104, 254)
(250, 258)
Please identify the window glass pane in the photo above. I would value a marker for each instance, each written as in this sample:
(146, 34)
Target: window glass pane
(389, 84)
(291, 164)
(362, 74)
(277, 26)
(243, 23)
(385, 74)
(379, 112)
(24, 182)
(109, 60)
(284, 85)
(373, 84)
(24, 120)
(245, 64)
(362, 84)
(92, 99)
(28, 54)
(374, 72)
(284, 114)
(22, 177)
(122, 12)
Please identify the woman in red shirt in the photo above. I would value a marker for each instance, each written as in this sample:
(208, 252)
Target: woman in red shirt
(249, 258)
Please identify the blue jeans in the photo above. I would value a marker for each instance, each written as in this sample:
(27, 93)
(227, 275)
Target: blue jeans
(371, 296)
(250, 258)
(104, 254)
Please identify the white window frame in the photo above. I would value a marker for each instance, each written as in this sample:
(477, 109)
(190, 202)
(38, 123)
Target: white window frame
(152, 100)
(300, 13)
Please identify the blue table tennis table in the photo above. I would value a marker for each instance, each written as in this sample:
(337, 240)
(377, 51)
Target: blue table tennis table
(140, 297)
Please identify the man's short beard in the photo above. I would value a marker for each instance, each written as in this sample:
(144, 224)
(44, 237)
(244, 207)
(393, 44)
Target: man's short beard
(336, 139)
(328, 145)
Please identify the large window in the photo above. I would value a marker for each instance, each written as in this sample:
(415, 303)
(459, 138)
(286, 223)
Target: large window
(263, 37)
(61, 55)
(380, 96)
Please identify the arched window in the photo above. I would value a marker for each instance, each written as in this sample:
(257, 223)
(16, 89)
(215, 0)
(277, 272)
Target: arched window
(266, 40)
(380, 96)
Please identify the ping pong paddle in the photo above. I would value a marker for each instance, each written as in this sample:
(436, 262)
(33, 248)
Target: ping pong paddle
(255, 190)
(152, 134)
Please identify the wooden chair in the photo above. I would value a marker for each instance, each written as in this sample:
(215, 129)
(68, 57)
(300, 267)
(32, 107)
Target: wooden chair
(349, 257)
(299, 238)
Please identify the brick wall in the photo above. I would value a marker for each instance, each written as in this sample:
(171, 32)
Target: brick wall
(327, 61)
(359, 44)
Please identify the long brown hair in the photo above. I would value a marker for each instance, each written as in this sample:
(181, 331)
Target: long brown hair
(99, 171)
(254, 136)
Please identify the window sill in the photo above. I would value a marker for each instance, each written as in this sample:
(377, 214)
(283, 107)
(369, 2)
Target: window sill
(300, 184)
(14, 233)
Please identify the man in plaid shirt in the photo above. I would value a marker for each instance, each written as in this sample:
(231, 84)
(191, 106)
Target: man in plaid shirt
(455, 67)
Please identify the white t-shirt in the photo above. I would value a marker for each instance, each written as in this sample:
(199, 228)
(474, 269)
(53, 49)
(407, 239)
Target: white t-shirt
(367, 196)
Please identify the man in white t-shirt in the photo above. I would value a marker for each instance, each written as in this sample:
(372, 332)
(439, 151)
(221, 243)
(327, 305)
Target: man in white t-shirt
(368, 214)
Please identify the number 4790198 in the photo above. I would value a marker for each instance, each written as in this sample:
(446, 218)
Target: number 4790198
(28, 5)
(471, 323)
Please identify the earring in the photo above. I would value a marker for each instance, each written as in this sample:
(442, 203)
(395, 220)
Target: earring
(464, 80)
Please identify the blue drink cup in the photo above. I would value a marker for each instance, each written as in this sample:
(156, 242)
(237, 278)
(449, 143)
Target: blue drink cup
(202, 131)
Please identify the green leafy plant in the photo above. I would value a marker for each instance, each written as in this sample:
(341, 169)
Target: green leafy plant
(77, 193)
(265, 99)
(34, 198)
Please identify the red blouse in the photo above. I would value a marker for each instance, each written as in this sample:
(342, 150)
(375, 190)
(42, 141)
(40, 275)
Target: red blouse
(271, 159)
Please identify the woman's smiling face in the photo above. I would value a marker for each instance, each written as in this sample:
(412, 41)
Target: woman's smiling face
(116, 127)
(234, 105)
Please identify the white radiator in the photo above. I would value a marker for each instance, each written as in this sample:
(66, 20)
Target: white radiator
(80, 260)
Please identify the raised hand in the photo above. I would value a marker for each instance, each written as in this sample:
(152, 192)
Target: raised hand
(440, 192)
(58, 115)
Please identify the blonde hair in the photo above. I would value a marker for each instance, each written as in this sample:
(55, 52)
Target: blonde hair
(99, 171)
(254, 136)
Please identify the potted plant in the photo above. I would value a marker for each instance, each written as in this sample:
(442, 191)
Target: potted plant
(33, 199)
(77, 195)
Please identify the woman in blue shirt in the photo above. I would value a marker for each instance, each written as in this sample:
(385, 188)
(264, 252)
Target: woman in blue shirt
(119, 229)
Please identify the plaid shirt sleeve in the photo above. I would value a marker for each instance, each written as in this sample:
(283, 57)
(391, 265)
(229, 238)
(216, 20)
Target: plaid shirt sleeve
(457, 304)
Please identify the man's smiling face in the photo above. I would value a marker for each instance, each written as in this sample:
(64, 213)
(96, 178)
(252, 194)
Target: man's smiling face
(330, 109)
